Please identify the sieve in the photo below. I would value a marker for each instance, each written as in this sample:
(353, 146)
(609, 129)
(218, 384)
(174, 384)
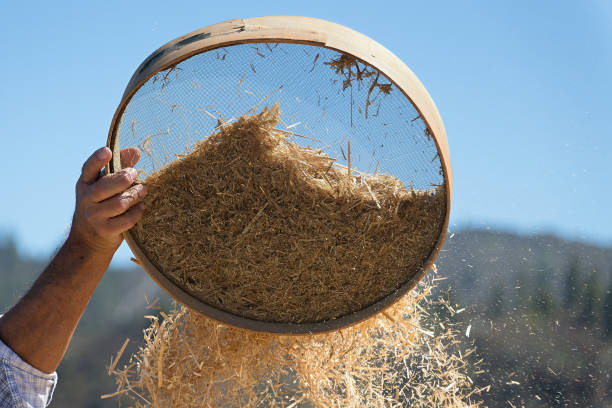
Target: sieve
(338, 91)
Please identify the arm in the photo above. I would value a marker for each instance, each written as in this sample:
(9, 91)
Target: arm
(39, 327)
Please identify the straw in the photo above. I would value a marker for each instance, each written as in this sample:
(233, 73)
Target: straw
(256, 225)
(391, 360)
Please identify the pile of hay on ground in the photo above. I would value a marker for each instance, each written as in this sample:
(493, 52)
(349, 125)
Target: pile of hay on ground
(258, 226)
(391, 360)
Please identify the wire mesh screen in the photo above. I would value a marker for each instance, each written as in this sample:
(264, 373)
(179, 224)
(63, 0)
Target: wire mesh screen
(260, 260)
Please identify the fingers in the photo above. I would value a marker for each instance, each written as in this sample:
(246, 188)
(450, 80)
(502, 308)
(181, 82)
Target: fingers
(120, 203)
(107, 205)
(112, 184)
(112, 228)
(92, 166)
(127, 220)
(117, 214)
(129, 157)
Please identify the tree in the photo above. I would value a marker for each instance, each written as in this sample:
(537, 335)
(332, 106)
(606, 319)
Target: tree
(572, 284)
(607, 313)
(496, 301)
(522, 285)
(542, 300)
(468, 278)
(590, 299)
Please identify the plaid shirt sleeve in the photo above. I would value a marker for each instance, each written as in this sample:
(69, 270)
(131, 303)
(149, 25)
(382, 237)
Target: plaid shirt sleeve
(22, 385)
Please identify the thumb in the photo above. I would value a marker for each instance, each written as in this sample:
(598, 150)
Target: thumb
(91, 168)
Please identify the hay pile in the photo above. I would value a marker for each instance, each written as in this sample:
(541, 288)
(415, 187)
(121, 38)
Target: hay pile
(390, 360)
(256, 225)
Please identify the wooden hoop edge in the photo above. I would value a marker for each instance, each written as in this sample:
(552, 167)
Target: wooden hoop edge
(270, 29)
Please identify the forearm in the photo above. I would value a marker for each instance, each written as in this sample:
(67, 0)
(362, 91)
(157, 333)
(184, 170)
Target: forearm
(40, 326)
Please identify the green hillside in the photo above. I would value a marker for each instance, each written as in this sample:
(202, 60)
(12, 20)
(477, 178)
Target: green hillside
(539, 311)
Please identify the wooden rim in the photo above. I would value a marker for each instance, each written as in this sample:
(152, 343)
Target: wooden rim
(302, 30)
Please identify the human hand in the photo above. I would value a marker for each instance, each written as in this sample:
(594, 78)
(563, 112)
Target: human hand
(107, 205)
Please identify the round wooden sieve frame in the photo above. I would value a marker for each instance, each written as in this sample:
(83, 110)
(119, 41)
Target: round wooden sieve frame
(300, 30)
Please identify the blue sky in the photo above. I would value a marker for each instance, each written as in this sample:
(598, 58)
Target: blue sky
(524, 89)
